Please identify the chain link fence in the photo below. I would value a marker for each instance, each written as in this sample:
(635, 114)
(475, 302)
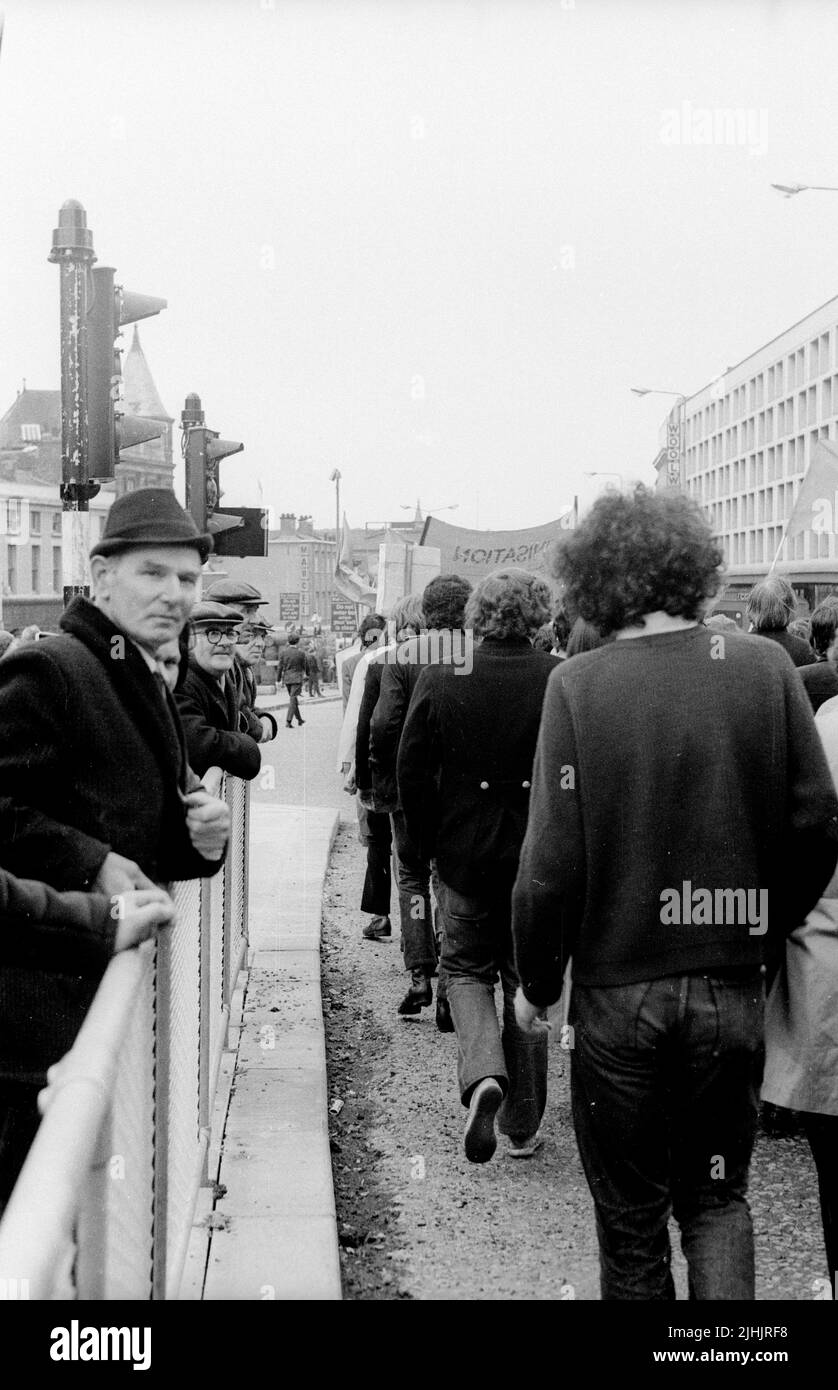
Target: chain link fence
(104, 1205)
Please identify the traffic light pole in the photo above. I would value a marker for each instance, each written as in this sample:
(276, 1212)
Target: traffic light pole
(72, 251)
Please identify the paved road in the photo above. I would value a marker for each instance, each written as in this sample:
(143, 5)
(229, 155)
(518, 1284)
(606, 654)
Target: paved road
(298, 766)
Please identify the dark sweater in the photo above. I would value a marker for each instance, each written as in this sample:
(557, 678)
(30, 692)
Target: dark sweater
(658, 765)
(821, 682)
(799, 651)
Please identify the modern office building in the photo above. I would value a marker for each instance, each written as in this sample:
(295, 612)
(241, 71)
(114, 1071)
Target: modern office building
(743, 444)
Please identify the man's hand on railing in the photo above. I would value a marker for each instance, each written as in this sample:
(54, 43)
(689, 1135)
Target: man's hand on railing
(208, 823)
(119, 875)
(139, 914)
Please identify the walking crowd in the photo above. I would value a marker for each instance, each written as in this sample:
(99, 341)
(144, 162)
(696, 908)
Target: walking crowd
(623, 810)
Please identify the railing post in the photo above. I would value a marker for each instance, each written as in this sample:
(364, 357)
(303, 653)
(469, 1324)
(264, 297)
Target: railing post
(162, 1056)
(205, 1007)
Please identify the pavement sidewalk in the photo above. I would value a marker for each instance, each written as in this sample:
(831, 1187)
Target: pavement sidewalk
(272, 1234)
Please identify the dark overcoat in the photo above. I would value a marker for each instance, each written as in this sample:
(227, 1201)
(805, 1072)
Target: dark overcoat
(465, 760)
(210, 717)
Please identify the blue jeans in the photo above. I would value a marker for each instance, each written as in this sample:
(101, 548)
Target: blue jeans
(665, 1078)
(414, 879)
(477, 947)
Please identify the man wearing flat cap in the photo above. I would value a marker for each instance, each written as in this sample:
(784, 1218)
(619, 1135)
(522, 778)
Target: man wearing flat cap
(93, 766)
(208, 700)
(250, 646)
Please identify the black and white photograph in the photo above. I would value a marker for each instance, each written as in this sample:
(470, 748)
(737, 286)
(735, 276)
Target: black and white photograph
(419, 667)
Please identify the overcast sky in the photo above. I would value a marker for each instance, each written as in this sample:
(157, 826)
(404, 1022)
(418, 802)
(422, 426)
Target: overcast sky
(430, 244)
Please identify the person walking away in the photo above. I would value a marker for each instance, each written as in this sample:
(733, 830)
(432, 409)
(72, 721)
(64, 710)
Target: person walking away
(771, 607)
(464, 772)
(821, 678)
(443, 603)
(801, 1042)
(313, 672)
(664, 813)
(406, 620)
(291, 670)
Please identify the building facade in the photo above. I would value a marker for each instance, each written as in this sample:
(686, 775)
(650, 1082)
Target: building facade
(746, 444)
(295, 576)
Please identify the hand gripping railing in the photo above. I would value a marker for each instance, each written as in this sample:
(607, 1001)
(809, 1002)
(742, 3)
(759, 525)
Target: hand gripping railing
(103, 1207)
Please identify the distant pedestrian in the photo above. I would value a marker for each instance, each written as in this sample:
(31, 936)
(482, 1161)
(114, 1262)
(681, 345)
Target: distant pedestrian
(313, 672)
(672, 788)
(771, 607)
(291, 671)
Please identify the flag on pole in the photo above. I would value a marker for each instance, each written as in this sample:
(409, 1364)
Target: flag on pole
(816, 508)
(347, 582)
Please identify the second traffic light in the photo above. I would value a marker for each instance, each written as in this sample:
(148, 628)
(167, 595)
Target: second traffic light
(203, 452)
(109, 428)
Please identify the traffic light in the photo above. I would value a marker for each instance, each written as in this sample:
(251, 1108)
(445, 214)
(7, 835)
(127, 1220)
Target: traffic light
(203, 451)
(109, 428)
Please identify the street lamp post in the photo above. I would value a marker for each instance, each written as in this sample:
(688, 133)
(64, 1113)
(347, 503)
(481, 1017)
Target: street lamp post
(676, 438)
(788, 190)
(334, 477)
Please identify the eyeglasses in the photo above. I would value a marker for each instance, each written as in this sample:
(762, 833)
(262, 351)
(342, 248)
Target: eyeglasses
(214, 635)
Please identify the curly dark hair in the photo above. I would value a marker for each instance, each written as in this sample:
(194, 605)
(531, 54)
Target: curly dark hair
(638, 554)
(508, 603)
(444, 601)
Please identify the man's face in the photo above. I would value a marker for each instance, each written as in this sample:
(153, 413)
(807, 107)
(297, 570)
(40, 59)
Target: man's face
(147, 591)
(168, 662)
(250, 644)
(215, 648)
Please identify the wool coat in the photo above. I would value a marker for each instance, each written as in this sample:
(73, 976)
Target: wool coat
(465, 760)
(210, 716)
(92, 759)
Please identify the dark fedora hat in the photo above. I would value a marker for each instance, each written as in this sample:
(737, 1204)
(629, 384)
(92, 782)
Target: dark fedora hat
(150, 516)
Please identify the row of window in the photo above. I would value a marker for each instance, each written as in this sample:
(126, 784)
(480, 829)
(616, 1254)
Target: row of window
(786, 460)
(760, 547)
(36, 575)
(19, 520)
(773, 423)
(797, 369)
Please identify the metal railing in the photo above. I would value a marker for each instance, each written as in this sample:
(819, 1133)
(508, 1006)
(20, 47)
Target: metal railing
(104, 1204)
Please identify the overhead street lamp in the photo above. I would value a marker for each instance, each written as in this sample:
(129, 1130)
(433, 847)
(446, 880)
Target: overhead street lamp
(676, 438)
(600, 473)
(788, 190)
(334, 477)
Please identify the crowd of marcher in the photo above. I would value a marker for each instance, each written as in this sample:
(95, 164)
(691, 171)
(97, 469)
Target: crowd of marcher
(623, 809)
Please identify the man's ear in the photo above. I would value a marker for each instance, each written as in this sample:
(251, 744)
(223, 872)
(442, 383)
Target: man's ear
(99, 571)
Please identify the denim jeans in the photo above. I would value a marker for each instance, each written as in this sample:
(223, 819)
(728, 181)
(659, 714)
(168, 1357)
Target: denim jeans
(665, 1078)
(414, 877)
(374, 832)
(477, 947)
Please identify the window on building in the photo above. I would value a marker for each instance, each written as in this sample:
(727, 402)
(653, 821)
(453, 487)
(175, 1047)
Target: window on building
(36, 569)
(824, 352)
(56, 523)
(11, 568)
(56, 570)
(35, 522)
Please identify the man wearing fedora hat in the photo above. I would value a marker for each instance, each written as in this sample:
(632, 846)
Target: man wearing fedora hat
(208, 699)
(93, 766)
(93, 756)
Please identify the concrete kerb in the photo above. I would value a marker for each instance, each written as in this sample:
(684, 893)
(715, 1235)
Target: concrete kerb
(275, 1233)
